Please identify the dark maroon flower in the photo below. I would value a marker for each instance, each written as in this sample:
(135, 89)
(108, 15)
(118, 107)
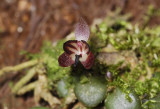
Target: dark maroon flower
(78, 50)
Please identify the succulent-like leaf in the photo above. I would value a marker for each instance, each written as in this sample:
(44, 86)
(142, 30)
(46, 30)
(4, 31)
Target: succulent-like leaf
(62, 88)
(117, 100)
(89, 61)
(82, 30)
(65, 60)
(92, 92)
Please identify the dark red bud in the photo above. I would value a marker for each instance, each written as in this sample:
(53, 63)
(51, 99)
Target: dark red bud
(109, 75)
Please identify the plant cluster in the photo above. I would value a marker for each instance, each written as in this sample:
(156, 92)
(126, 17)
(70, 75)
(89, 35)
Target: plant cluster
(117, 69)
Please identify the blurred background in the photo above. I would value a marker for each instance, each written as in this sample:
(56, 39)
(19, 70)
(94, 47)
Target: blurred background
(25, 24)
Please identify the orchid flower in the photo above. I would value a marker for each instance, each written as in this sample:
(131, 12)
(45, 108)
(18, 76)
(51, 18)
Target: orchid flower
(78, 50)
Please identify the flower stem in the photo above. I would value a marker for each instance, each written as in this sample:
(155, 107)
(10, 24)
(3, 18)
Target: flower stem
(18, 67)
(24, 80)
(27, 88)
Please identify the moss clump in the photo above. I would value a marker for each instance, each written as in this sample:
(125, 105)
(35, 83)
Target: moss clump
(135, 72)
(49, 56)
(154, 103)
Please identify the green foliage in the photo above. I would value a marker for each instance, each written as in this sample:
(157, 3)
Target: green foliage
(49, 56)
(157, 75)
(149, 87)
(154, 103)
(145, 43)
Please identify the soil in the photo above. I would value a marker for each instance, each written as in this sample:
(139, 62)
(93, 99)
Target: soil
(25, 24)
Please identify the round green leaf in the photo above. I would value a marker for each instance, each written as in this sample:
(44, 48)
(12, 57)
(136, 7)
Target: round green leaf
(92, 92)
(117, 100)
(62, 88)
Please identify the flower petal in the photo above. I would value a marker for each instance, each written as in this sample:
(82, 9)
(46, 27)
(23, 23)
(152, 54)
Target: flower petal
(70, 46)
(85, 47)
(76, 47)
(89, 61)
(65, 60)
(82, 30)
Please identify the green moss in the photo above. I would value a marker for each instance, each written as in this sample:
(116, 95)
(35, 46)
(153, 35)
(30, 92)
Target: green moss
(144, 43)
(49, 56)
(154, 103)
